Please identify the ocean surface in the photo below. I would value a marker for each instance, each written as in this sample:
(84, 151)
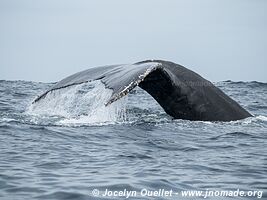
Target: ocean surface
(70, 146)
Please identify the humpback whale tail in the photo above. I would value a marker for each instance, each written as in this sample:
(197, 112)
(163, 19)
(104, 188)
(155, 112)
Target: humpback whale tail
(182, 93)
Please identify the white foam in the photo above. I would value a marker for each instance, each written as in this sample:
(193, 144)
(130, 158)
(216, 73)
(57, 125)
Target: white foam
(4, 119)
(250, 120)
(262, 118)
(81, 104)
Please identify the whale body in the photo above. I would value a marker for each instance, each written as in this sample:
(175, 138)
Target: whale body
(182, 93)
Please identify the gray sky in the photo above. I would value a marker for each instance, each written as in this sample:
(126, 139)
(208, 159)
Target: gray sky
(47, 40)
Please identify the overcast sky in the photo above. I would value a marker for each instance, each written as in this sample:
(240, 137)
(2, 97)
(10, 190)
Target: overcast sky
(47, 40)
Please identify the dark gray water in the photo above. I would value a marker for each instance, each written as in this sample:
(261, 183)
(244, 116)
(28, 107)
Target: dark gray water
(70, 144)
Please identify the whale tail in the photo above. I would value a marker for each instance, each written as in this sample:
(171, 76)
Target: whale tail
(182, 93)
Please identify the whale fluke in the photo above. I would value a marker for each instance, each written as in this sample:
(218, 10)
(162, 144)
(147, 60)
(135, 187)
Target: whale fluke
(182, 93)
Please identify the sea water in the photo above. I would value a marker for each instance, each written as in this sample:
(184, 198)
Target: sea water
(70, 145)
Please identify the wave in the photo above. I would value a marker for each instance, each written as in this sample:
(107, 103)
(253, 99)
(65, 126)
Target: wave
(235, 135)
(216, 82)
(249, 84)
(243, 82)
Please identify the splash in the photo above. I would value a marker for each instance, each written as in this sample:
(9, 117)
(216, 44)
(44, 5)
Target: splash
(81, 104)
